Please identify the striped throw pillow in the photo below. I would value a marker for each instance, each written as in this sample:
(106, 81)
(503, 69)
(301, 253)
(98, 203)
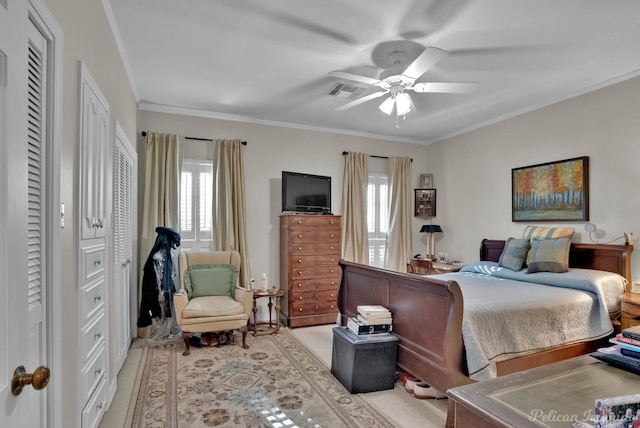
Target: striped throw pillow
(541, 232)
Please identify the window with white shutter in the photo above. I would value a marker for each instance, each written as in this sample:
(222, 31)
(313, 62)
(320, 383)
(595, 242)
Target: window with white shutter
(196, 193)
(377, 217)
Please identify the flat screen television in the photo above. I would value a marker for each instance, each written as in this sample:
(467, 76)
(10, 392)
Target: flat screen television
(306, 193)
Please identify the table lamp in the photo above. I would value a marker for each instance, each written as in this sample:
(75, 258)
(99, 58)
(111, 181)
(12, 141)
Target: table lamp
(430, 229)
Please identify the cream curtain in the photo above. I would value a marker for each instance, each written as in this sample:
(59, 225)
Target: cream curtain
(161, 204)
(229, 212)
(355, 235)
(398, 245)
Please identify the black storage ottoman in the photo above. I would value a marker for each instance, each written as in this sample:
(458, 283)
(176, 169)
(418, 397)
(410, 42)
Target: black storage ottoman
(364, 363)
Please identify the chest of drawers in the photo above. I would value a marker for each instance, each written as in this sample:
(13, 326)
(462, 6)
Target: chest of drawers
(309, 271)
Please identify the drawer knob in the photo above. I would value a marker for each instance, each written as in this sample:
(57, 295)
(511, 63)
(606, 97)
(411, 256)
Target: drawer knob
(299, 260)
(331, 247)
(299, 221)
(299, 285)
(299, 235)
(332, 295)
(299, 248)
(97, 372)
(332, 222)
(299, 272)
(332, 235)
(97, 336)
(99, 407)
(300, 298)
(300, 309)
(97, 262)
(331, 306)
(97, 299)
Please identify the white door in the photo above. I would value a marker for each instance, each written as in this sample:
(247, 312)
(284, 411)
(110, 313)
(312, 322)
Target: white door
(125, 214)
(25, 214)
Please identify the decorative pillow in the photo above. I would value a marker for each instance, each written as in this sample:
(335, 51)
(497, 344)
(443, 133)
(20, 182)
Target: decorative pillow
(211, 280)
(514, 253)
(542, 232)
(549, 255)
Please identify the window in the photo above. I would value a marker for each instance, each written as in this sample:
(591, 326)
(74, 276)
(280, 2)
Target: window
(196, 194)
(377, 217)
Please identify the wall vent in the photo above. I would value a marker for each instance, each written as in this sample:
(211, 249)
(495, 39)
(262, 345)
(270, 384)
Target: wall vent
(346, 90)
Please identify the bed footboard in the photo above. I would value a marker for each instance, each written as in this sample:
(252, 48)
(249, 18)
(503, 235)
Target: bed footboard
(427, 319)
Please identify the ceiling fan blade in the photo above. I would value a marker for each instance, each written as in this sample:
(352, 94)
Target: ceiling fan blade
(356, 77)
(424, 62)
(445, 87)
(362, 100)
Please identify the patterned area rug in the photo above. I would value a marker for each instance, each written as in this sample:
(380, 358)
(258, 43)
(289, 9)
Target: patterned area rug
(277, 382)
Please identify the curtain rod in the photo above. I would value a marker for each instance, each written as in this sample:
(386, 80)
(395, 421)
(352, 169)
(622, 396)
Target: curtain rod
(371, 156)
(244, 143)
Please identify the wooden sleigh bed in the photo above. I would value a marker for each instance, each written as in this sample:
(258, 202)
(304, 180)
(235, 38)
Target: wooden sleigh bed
(428, 313)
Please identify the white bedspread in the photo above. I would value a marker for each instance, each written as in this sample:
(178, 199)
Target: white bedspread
(509, 313)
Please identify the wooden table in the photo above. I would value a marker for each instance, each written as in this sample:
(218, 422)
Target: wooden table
(555, 395)
(270, 327)
(430, 267)
(630, 310)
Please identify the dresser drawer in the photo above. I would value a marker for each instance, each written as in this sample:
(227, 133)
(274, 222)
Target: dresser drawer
(310, 221)
(93, 373)
(315, 260)
(93, 335)
(312, 308)
(332, 248)
(95, 408)
(301, 272)
(314, 297)
(312, 285)
(93, 262)
(93, 299)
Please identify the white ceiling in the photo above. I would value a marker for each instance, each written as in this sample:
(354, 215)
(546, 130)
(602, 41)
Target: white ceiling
(268, 61)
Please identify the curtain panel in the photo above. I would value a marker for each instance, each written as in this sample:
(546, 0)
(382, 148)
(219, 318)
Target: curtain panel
(229, 210)
(355, 234)
(398, 245)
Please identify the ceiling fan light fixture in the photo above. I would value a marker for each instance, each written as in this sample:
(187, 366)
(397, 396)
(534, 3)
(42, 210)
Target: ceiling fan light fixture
(387, 105)
(403, 104)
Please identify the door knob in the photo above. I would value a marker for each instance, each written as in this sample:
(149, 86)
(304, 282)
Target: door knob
(38, 379)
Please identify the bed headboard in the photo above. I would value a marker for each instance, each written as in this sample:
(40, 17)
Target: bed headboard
(611, 258)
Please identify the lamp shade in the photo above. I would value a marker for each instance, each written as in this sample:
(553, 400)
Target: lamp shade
(431, 228)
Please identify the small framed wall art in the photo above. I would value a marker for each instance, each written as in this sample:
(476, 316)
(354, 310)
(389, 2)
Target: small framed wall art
(426, 181)
(425, 202)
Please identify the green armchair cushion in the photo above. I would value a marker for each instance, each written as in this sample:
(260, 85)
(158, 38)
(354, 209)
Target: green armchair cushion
(211, 280)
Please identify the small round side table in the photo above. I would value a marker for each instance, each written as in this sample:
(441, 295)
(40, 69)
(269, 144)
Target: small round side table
(263, 327)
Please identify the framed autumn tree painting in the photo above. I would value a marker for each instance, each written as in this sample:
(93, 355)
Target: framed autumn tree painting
(552, 191)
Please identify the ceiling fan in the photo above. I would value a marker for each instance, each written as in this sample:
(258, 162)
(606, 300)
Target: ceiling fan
(398, 79)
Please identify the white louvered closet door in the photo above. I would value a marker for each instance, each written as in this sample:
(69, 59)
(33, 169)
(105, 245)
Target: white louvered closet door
(124, 209)
(24, 230)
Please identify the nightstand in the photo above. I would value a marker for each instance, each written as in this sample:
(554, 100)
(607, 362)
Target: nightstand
(428, 267)
(630, 307)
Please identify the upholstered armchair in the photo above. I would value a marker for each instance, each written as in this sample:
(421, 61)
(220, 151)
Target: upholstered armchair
(210, 299)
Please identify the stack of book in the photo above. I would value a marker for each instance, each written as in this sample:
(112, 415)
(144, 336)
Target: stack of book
(625, 353)
(629, 342)
(371, 319)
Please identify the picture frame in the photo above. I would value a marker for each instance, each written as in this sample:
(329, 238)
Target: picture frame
(426, 181)
(425, 203)
(552, 191)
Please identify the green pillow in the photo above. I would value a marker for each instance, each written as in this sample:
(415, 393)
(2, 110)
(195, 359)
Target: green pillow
(549, 255)
(514, 253)
(211, 280)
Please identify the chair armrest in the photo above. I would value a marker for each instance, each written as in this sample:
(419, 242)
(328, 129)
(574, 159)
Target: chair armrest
(180, 301)
(245, 297)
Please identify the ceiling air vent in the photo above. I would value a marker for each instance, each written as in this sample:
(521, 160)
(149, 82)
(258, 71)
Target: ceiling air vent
(346, 90)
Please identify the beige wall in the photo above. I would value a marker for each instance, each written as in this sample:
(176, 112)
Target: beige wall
(472, 172)
(87, 37)
(270, 150)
